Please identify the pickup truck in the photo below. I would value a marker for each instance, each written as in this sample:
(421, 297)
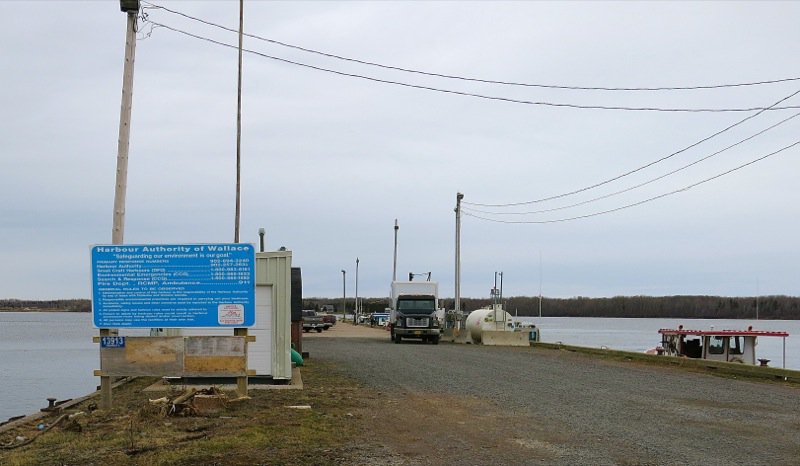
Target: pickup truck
(329, 320)
(311, 321)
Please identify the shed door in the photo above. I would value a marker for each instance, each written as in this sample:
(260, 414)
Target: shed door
(259, 353)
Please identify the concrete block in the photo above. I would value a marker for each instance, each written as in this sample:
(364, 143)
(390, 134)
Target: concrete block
(502, 338)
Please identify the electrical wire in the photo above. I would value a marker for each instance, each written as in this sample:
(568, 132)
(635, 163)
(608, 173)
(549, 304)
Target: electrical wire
(475, 95)
(479, 80)
(635, 170)
(617, 209)
(640, 184)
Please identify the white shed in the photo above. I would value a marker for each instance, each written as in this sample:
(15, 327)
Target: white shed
(270, 354)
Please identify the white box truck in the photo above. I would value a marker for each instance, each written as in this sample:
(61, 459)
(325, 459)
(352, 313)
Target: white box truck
(414, 311)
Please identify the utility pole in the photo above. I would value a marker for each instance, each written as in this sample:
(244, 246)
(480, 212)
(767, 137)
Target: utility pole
(394, 266)
(540, 283)
(241, 382)
(344, 295)
(131, 9)
(239, 127)
(457, 305)
(501, 300)
(501, 287)
(357, 311)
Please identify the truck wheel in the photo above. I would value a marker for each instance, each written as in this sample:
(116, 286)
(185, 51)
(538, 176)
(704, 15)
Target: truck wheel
(305, 330)
(397, 338)
(319, 330)
(435, 340)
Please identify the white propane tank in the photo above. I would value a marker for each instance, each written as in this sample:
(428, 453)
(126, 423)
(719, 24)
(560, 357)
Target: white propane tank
(482, 320)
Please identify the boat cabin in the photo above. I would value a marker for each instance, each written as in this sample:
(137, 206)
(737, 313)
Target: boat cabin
(379, 318)
(716, 345)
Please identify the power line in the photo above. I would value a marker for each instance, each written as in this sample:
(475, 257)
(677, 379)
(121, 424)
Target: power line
(606, 196)
(479, 80)
(595, 214)
(480, 96)
(587, 188)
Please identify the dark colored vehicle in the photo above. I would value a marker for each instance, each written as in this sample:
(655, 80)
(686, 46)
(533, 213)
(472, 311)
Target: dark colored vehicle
(312, 321)
(329, 320)
(413, 312)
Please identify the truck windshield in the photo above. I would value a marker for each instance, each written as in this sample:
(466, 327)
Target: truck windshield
(416, 305)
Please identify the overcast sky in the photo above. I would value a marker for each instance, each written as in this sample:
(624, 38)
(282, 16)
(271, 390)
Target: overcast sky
(329, 160)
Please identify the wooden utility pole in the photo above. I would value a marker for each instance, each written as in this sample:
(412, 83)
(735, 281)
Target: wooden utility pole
(131, 8)
(241, 382)
(124, 128)
(239, 126)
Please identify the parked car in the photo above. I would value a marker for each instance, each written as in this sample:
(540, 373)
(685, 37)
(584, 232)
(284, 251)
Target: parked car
(312, 321)
(329, 320)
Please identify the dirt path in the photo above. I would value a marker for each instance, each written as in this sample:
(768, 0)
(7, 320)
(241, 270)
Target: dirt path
(348, 330)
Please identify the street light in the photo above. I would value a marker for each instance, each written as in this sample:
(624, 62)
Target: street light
(344, 296)
(127, 6)
(356, 313)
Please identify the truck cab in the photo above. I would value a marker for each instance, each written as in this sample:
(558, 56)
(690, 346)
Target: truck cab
(414, 312)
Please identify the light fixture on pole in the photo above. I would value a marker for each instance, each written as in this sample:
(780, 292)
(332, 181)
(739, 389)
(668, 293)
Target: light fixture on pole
(344, 295)
(457, 300)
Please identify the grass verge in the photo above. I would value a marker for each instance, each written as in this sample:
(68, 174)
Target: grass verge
(261, 430)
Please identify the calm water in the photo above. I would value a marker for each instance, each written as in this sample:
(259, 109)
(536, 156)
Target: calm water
(45, 354)
(639, 335)
(51, 354)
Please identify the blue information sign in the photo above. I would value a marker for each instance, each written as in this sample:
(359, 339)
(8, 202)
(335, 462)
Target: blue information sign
(173, 285)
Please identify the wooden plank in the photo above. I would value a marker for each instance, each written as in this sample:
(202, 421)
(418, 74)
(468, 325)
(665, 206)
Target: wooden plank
(214, 366)
(195, 356)
(144, 356)
(157, 351)
(214, 346)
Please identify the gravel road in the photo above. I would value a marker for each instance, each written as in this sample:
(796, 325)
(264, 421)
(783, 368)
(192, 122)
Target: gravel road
(469, 404)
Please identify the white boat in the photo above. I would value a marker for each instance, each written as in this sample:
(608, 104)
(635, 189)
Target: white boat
(716, 345)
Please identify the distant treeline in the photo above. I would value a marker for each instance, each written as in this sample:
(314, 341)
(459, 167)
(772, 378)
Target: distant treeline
(692, 307)
(71, 305)
(697, 307)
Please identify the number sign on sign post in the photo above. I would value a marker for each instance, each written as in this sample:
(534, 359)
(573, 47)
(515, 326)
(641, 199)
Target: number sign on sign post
(173, 286)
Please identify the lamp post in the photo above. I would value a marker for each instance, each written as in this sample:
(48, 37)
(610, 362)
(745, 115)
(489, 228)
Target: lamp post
(344, 295)
(261, 233)
(356, 312)
(457, 300)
